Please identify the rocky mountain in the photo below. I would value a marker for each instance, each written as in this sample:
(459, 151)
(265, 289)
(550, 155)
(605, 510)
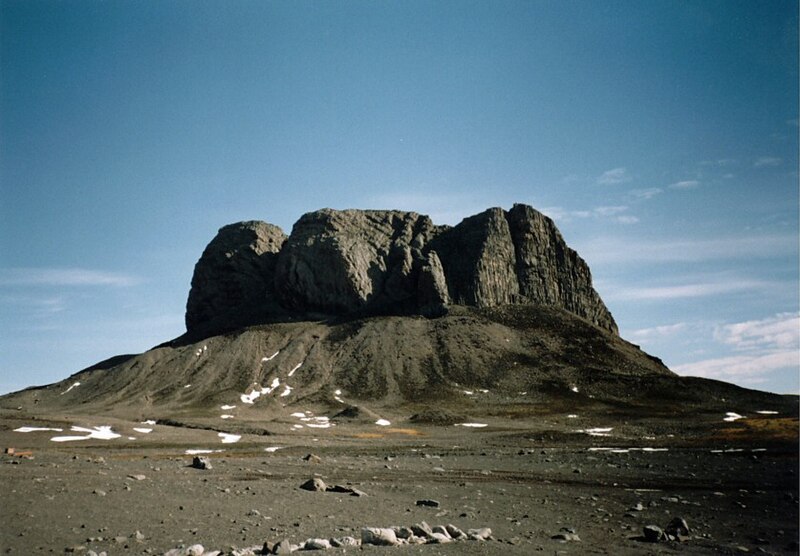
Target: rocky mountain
(369, 262)
(387, 309)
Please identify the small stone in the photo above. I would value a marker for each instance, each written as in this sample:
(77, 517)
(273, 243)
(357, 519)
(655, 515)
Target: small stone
(439, 538)
(481, 534)
(455, 532)
(422, 529)
(428, 502)
(379, 536)
(312, 458)
(283, 547)
(201, 462)
(344, 542)
(195, 550)
(99, 492)
(653, 533)
(316, 544)
(137, 477)
(138, 535)
(314, 485)
(637, 508)
(677, 527)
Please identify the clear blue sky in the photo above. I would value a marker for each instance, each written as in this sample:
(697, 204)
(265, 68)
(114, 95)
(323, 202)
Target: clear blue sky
(662, 136)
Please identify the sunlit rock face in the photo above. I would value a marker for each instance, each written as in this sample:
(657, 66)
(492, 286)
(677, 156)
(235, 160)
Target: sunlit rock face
(384, 262)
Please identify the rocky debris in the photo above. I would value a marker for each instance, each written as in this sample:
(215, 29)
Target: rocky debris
(428, 502)
(654, 533)
(201, 462)
(420, 533)
(387, 262)
(566, 534)
(312, 458)
(315, 484)
(676, 530)
(233, 282)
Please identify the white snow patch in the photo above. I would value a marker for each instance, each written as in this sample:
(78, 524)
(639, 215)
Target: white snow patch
(766, 412)
(271, 357)
(626, 450)
(483, 390)
(142, 430)
(102, 432)
(574, 389)
(297, 426)
(287, 390)
(731, 417)
(472, 425)
(469, 392)
(298, 415)
(35, 429)
(259, 391)
(70, 388)
(597, 431)
(226, 407)
(229, 438)
(272, 449)
(295, 368)
(188, 386)
(149, 422)
(572, 416)
(226, 416)
(195, 451)
(383, 422)
(319, 425)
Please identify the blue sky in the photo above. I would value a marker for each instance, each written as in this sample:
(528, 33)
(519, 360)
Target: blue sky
(661, 136)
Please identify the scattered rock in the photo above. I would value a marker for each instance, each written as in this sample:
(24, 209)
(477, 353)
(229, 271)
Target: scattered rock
(137, 477)
(344, 542)
(481, 534)
(677, 527)
(201, 462)
(428, 502)
(314, 485)
(312, 458)
(283, 547)
(317, 544)
(380, 536)
(653, 533)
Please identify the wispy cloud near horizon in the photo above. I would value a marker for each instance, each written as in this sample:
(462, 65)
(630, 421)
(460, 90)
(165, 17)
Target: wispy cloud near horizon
(761, 347)
(616, 250)
(682, 291)
(613, 176)
(66, 277)
(767, 161)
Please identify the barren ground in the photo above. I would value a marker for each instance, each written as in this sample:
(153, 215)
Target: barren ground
(524, 476)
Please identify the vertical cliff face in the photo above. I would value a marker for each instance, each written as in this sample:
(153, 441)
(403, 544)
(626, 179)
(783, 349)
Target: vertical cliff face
(388, 262)
(233, 282)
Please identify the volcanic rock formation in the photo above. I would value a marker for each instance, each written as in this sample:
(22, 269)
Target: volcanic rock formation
(368, 262)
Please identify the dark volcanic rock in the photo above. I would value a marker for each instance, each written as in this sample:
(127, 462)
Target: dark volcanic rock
(339, 262)
(371, 262)
(233, 282)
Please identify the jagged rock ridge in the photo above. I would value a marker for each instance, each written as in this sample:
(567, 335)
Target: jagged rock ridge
(387, 262)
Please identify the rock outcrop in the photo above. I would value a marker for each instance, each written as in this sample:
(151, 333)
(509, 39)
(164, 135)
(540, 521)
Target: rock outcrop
(372, 262)
(233, 282)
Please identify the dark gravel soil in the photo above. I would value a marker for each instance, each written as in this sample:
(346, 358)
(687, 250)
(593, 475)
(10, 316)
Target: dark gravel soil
(527, 476)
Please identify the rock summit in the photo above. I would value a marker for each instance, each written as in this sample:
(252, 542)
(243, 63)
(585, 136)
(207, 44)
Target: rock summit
(386, 262)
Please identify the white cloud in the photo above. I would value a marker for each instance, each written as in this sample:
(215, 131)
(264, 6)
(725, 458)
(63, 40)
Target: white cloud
(767, 161)
(741, 368)
(686, 184)
(682, 291)
(615, 250)
(646, 193)
(561, 215)
(64, 277)
(645, 334)
(781, 331)
(761, 347)
(722, 162)
(609, 211)
(615, 175)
